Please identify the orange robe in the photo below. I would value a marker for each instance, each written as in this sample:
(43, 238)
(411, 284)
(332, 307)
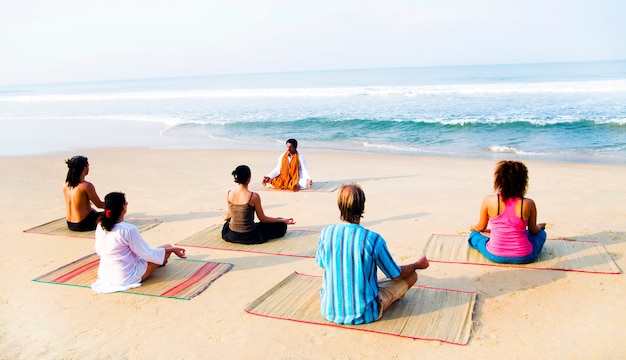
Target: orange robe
(289, 174)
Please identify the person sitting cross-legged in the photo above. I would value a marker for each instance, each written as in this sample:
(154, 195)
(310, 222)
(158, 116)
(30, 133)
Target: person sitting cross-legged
(350, 255)
(290, 172)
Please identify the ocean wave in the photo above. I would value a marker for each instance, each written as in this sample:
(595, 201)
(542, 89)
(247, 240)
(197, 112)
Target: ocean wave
(606, 86)
(521, 121)
(388, 146)
(182, 121)
(467, 121)
(398, 148)
(511, 150)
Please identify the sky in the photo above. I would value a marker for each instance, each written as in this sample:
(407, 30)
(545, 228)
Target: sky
(43, 41)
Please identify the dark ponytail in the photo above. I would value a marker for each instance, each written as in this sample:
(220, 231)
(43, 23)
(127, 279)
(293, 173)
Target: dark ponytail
(241, 174)
(113, 206)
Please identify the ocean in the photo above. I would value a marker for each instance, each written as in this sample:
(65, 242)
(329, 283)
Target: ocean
(571, 112)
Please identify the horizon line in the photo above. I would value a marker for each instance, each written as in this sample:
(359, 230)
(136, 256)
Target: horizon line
(304, 71)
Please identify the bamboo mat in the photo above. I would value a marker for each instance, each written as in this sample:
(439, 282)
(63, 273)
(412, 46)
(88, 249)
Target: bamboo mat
(299, 243)
(557, 254)
(319, 186)
(180, 279)
(58, 227)
(424, 313)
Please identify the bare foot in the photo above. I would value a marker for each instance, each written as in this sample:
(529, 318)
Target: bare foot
(422, 263)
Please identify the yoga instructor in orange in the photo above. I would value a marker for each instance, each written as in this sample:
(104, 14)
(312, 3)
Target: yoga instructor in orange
(290, 172)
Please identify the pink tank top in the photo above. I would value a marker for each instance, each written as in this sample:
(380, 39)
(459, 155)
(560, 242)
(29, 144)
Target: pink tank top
(508, 233)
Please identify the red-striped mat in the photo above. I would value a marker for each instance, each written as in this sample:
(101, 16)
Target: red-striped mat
(58, 227)
(180, 279)
(557, 254)
(318, 186)
(424, 313)
(299, 243)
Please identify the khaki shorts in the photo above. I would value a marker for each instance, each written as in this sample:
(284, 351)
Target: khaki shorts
(388, 292)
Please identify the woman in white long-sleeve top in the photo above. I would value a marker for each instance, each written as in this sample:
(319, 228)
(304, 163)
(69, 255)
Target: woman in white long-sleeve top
(126, 259)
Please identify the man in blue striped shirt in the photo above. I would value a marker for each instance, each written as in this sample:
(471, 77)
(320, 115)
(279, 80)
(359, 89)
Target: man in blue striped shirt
(349, 255)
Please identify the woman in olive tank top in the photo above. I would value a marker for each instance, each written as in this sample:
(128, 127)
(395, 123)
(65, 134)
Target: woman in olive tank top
(240, 226)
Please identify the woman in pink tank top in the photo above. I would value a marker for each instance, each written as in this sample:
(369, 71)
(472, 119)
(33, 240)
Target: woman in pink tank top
(514, 236)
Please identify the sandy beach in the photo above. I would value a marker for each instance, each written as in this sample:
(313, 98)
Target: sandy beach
(519, 313)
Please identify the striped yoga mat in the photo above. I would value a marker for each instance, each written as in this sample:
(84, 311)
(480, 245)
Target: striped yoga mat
(180, 279)
(318, 186)
(59, 227)
(424, 313)
(299, 243)
(557, 254)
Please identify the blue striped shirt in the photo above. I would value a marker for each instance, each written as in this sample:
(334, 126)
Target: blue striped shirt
(349, 255)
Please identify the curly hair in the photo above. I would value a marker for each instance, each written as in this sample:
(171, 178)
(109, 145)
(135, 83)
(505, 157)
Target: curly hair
(510, 179)
(75, 167)
(351, 202)
(113, 206)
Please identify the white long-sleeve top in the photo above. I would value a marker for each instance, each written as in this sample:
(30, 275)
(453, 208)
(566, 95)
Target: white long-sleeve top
(124, 257)
(303, 173)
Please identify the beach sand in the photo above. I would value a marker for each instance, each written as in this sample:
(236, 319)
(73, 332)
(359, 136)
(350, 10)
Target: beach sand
(519, 314)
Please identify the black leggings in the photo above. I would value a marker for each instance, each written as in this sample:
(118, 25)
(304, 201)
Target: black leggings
(86, 224)
(262, 233)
